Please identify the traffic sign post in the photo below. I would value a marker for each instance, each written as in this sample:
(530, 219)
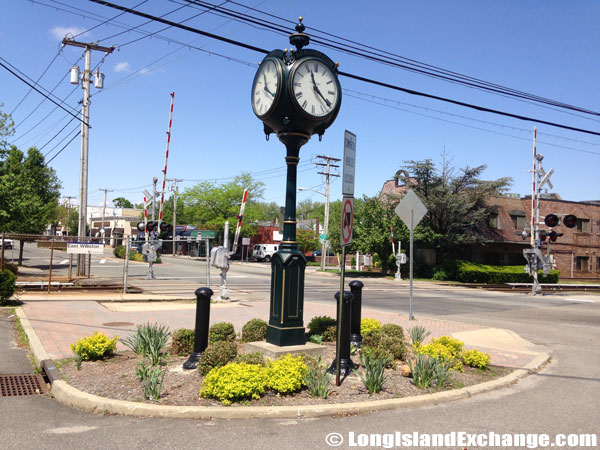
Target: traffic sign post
(346, 236)
(411, 210)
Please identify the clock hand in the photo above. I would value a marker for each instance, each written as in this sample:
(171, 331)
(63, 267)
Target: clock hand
(267, 87)
(327, 102)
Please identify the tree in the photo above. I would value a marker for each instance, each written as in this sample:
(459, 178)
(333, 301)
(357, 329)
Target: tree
(307, 209)
(7, 129)
(209, 205)
(457, 212)
(306, 240)
(122, 202)
(29, 193)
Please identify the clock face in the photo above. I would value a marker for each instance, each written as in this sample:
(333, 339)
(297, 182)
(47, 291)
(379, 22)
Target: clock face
(315, 88)
(266, 88)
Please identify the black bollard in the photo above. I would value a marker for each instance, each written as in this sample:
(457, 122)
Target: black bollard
(355, 336)
(203, 296)
(343, 345)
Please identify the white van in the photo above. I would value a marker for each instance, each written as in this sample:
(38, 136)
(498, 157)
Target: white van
(263, 252)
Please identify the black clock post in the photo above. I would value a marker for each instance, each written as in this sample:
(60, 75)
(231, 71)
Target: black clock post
(296, 94)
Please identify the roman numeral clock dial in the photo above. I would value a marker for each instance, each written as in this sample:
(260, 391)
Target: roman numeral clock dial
(315, 88)
(266, 88)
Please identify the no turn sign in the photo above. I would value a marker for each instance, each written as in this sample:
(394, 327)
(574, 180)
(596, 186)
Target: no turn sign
(347, 220)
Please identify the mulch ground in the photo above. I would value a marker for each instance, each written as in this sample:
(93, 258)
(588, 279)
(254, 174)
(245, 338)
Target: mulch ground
(115, 378)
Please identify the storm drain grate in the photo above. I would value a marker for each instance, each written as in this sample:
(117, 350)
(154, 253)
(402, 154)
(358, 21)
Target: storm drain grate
(18, 385)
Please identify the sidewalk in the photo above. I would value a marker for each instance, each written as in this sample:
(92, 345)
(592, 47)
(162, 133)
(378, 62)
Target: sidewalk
(59, 323)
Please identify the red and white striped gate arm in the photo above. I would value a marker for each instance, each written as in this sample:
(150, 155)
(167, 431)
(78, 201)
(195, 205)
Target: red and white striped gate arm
(239, 224)
(162, 194)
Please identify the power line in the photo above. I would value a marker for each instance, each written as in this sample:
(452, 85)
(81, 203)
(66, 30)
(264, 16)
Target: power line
(352, 76)
(60, 151)
(400, 62)
(475, 127)
(40, 92)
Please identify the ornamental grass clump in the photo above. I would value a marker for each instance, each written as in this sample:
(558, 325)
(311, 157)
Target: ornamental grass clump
(418, 335)
(428, 372)
(148, 341)
(374, 376)
(151, 378)
(286, 374)
(235, 382)
(318, 379)
(96, 346)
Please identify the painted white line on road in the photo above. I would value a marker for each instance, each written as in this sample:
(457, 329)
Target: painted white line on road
(580, 300)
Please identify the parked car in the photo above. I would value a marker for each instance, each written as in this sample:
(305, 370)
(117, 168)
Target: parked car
(318, 253)
(8, 243)
(264, 252)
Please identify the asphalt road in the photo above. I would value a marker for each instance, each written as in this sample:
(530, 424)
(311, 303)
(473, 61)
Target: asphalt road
(562, 398)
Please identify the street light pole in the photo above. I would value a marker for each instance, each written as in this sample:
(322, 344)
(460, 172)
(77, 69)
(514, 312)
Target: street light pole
(326, 227)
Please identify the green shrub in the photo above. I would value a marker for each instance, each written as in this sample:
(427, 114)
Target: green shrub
(319, 324)
(469, 272)
(96, 346)
(217, 354)
(367, 324)
(428, 371)
(221, 331)
(119, 251)
(7, 285)
(316, 339)
(254, 330)
(374, 374)
(378, 353)
(11, 267)
(393, 330)
(318, 379)
(454, 345)
(392, 345)
(330, 334)
(182, 342)
(475, 358)
(251, 358)
(234, 382)
(286, 374)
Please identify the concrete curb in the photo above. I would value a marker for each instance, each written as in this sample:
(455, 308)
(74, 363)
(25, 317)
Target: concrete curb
(35, 345)
(69, 395)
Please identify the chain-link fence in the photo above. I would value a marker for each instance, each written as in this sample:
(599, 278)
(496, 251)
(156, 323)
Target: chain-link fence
(53, 262)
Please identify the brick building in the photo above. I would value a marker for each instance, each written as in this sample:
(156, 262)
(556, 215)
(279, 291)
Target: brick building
(577, 252)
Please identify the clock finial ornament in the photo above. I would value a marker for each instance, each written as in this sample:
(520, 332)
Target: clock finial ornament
(299, 39)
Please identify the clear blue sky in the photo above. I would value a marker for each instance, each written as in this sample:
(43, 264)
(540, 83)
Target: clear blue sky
(547, 48)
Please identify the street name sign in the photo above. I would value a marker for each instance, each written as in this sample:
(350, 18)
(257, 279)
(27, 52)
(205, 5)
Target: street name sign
(85, 248)
(349, 164)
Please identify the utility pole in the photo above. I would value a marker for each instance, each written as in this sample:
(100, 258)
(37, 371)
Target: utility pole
(85, 113)
(328, 165)
(106, 191)
(68, 205)
(174, 189)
